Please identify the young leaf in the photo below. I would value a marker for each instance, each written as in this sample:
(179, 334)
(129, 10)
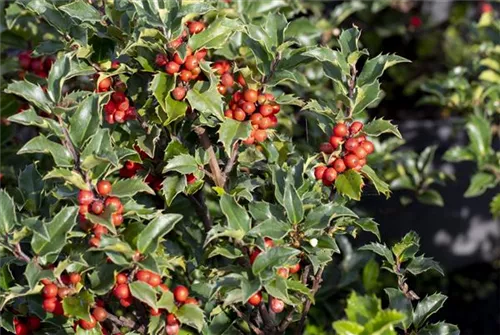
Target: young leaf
(421, 264)
(380, 185)
(365, 96)
(172, 186)
(375, 67)
(344, 327)
(479, 183)
(69, 176)
(478, 129)
(149, 238)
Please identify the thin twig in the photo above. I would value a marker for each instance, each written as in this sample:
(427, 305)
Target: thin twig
(352, 87)
(316, 285)
(19, 253)
(232, 160)
(240, 314)
(125, 322)
(288, 319)
(214, 165)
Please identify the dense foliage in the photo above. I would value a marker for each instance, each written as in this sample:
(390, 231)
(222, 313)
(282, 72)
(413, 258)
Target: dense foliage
(160, 180)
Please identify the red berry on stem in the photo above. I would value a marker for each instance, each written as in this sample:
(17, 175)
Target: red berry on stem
(336, 141)
(283, 272)
(277, 306)
(181, 293)
(143, 275)
(126, 302)
(368, 146)
(116, 219)
(172, 329)
(185, 75)
(49, 291)
(22, 329)
(75, 278)
(161, 59)
(191, 62)
(85, 197)
(118, 97)
(255, 299)
(154, 280)
(104, 187)
(360, 152)
(172, 67)
(248, 107)
(97, 207)
(351, 144)
(239, 114)
(88, 324)
(99, 230)
(121, 291)
(351, 161)
(339, 165)
(115, 203)
(196, 27)
(326, 147)
(355, 127)
(250, 95)
(319, 172)
(121, 278)
(260, 135)
(340, 130)
(179, 93)
(254, 254)
(295, 268)
(49, 305)
(100, 314)
(171, 319)
(104, 84)
(330, 175)
(227, 80)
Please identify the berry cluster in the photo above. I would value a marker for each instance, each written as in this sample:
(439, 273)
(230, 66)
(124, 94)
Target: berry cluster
(53, 294)
(260, 108)
(277, 305)
(350, 150)
(188, 67)
(118, 108)
(97, 205)
(30, 325)
(40, 66)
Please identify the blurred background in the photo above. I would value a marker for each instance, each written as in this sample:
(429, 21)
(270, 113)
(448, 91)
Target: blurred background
(442, 102)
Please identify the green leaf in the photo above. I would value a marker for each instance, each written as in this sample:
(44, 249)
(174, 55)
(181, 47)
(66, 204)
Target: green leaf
(378, 127)
(431, 197)
(182, 163)
(32, 93)
(422, 264)
(29, 117)
(161, 86)
(237, 217)
(104, 219)
(375, 67)
(167, 301)
(278, 288)
(249, 288)
(58, 228)
(272, 257)
(205, 98)
(70, 176)
(217, 33)
(407, 247)
(458, 154)
(380, 185)
(31, 186)
(191, 315)
(102, 278)
(34, 274)
(175, 110)
(379, 249)
(439, 328)
(57, 74)
(479, 183)
(85, 120)
(319, 217)
(349, 41)
(8, 217)
(370, 275)
(297, 286)
(293, 204)
(495, 206)
(149, 238)
(231, 131)
(81, 11)
(37, 227)
(344, 327)
(99, 150)
(383, 322)
(143, 292)
(41, 144)
(399, 302)
(130, 187)
(349, 184)
(272, 228)
(361, 309)
(78, 305)
(228, 251)
(426, 307)
(478, 129)
(369, 225)
(172, 186)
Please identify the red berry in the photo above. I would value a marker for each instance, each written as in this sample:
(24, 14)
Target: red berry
(24, 59)
(191, 62)
(185, 75)
(104, 187)
(115, 64)
(181, 293)
(118, 97)
(260, 135)
(22, 329)
(34, 322)
(74, 278)
(255, 299)
(179, 93)
(276, 108)
(100, 314)
(172, 67)
(154, 312)
(97, 207)
(265, 122)
(221, 89)
(266, 110)
(94, 242)
(161, 59)
(319, 172)
(351, 161)
(63, 292)
(227, 80)
(249, 141)
(121, 278)
(253, 255)
(49, 305)
(191, 301)
(121, 291)
(86, 324)
(339, 165)
(200, 54)
(99, 230)
(172, 329)
(295, 268)
(241, 80)
(190, 178)
(49, 291)
(330, 175)
(360, 152)
(239, 114)
(355, 127)
(196, 27)
(110, 107)
(277, 305)
(269, 243)
(171, 319)
(143, 275)
(83, 209)
(361, 138)
(154, 280)
(85, 197)
(115, 203)
(116, 219)
(336, 141)
(283, 272)
(126, 302)
(248, 107)
(36, 64)
(340, 130)
(326, 147)
(415, 21)
(124, 105)
(104, 84)
(368, 146)
(250, 95)
(351, 144)
(229, 113)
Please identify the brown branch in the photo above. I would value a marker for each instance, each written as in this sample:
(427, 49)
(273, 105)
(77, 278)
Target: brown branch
(232, 160)
(352, 86)
(316, 285)
(218, 178)
(240, 314)
(125, 322)
(288, 319)
(19, 253)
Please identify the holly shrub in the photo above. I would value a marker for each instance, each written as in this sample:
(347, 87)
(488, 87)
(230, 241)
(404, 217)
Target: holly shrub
(155, 184)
